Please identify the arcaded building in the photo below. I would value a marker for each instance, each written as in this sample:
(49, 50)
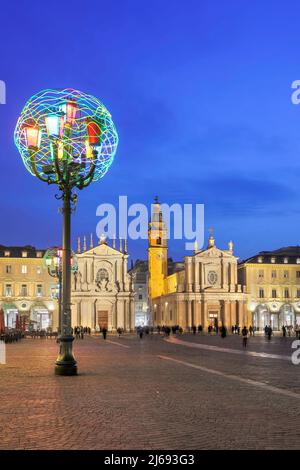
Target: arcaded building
(28, 294)
(272, 279)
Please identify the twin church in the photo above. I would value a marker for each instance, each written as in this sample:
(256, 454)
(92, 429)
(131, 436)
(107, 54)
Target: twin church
(201, 290)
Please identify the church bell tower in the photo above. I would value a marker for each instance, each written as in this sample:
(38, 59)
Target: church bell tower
(157, 252)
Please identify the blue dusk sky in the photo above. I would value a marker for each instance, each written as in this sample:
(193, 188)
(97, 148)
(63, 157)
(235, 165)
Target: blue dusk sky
(200, 93)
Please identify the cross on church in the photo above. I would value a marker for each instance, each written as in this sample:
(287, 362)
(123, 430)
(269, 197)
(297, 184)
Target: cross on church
(211, 231)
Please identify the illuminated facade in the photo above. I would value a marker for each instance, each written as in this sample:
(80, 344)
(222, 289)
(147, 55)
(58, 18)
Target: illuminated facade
(102, 293)
(201, 291)
(139, 279)
(273, 280)
(26, 289)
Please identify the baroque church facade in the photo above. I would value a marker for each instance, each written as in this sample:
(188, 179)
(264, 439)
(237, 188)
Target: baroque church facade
(102, 294)
(203, 290)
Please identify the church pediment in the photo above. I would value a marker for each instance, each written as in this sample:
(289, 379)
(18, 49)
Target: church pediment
(101, 250)
(213, 252)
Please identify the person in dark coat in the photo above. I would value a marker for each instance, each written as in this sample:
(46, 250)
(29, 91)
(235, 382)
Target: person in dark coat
(269, 332)
(104, 332)
(223, 331)
(245, 336)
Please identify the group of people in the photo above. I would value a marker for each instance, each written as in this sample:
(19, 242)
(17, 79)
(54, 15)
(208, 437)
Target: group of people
(289, 330)
(11, 336)
(165, 330)
(80, 331)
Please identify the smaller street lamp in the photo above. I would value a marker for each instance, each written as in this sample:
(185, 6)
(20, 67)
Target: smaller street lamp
(53, 264)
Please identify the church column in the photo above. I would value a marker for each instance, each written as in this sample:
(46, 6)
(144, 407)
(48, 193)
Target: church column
(180, 313)
(202, 273)
(74, 314)
(225, 283)
(126, 313)
(234, 313)
(196, 316)
(204, 320)
(120, 315)
(92, 273)
(124, 272)
(188, 274)
(196, 282)
(227, 320)
(115, 315)
(176, 312)
(248, 314)
(222, 311)
(240, 313)
(198, 312)
(94, 320)
(132, 316)
(120, 269)
(189, 313)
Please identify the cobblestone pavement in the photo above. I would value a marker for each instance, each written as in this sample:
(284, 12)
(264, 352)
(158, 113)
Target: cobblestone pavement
(151, 394)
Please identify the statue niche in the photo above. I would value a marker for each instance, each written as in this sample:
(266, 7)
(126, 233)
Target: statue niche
(102, 281)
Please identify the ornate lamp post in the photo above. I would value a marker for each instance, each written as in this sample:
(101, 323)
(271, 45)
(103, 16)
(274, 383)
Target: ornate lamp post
(53, 264)
(66, 138)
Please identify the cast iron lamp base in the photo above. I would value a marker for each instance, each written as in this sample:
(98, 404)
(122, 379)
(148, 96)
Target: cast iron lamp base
(65, 363)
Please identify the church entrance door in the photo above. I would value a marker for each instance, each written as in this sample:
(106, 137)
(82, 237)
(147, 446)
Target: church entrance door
(103, 318)
(213, 318)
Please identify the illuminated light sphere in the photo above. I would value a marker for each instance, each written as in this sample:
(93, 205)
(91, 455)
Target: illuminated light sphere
(76, 126)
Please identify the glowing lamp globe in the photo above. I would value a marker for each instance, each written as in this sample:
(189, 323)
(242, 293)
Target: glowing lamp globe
(54, 124)
(69, 108)
(32, 134)
(66, 135)
(94, 131)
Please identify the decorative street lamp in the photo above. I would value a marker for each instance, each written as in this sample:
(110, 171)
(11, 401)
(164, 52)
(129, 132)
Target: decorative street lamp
(66, 138)
(53, 264)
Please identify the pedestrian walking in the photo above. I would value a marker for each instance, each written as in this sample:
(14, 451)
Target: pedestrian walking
(269, 332)
(223, 331)
(283, 331)
(245, 336)
(104, 332)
